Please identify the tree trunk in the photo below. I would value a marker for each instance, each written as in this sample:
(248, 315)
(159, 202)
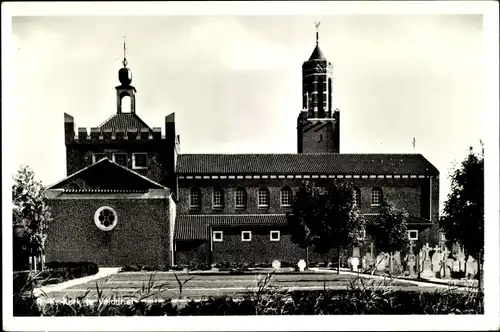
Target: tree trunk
(338, 265)
(307, 257)
(390, 263)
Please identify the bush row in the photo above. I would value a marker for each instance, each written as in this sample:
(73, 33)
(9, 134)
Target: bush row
(280, 303)
(205, 267)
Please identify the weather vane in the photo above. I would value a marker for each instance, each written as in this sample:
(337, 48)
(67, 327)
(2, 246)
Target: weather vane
(124, 52)
(317, 24)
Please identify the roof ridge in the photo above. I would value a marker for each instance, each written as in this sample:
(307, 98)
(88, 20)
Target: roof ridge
(107, 120)
(302, 154)
(141, 120)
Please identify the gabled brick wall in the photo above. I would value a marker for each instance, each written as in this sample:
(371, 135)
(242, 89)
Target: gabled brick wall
(141, 235)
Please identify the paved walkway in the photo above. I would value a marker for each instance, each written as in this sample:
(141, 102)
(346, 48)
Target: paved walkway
(103, 272)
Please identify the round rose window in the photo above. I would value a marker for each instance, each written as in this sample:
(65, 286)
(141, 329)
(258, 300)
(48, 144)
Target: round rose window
(106, 218)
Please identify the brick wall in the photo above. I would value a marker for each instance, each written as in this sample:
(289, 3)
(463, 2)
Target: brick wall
(405, 193)
(259, 250)
(318, 140)
(141, 235)
(192, 252)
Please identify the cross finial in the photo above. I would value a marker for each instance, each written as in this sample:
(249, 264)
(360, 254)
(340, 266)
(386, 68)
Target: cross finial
(316, 25)
(124, 52)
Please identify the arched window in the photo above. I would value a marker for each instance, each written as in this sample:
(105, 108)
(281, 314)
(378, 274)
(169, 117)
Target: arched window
(126, 103)
(357, 197)
(286, 196)
(321, 98)
(376, 196)
(263, 198)
(241, 198)
(218, 198)
(195, 198)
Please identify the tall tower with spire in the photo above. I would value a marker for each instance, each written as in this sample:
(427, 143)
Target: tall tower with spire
(125, 89)
(318, 122)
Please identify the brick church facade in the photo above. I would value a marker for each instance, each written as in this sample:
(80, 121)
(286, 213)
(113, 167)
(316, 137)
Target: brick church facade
(131, 197)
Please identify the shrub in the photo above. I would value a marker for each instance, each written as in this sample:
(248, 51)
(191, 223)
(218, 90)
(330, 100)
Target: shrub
(271, 301)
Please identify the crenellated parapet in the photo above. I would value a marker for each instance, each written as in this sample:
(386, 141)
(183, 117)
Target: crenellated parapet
(118, 134)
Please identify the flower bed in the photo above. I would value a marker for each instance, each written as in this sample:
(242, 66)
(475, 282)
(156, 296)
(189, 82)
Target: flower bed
(233, 268)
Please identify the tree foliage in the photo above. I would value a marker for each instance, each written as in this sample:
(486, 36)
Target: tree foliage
(463, 213)
(325, 218)
(30, 209)
(389, 230)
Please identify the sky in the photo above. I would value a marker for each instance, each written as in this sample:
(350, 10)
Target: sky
(234, 82)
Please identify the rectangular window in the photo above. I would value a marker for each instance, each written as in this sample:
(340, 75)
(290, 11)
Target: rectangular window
(139, 160)
(217, 236)
(413, 235)
(98, 156)
(246, 236)
(275, 235)
(120, 158)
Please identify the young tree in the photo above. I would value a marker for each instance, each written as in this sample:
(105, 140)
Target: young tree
(305, 209)
(389, 230)
(326, 219)
(30, 208)
(463, 213)
(342, 223)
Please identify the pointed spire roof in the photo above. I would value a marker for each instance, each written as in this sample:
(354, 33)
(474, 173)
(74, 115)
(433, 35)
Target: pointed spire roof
(317, 54)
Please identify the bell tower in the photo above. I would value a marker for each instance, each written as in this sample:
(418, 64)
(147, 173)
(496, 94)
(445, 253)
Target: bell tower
(318, 122)
(125, 89)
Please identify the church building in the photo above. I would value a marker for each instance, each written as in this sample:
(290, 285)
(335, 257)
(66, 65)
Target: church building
(131, 197)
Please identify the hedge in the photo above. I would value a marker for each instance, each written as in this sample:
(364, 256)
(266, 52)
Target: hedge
(280, 303)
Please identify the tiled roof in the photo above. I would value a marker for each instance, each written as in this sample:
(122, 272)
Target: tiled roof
(195, 227)
(413, 220)
(124, 121)
(305, 163)
(317, 54)
(106, 176)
